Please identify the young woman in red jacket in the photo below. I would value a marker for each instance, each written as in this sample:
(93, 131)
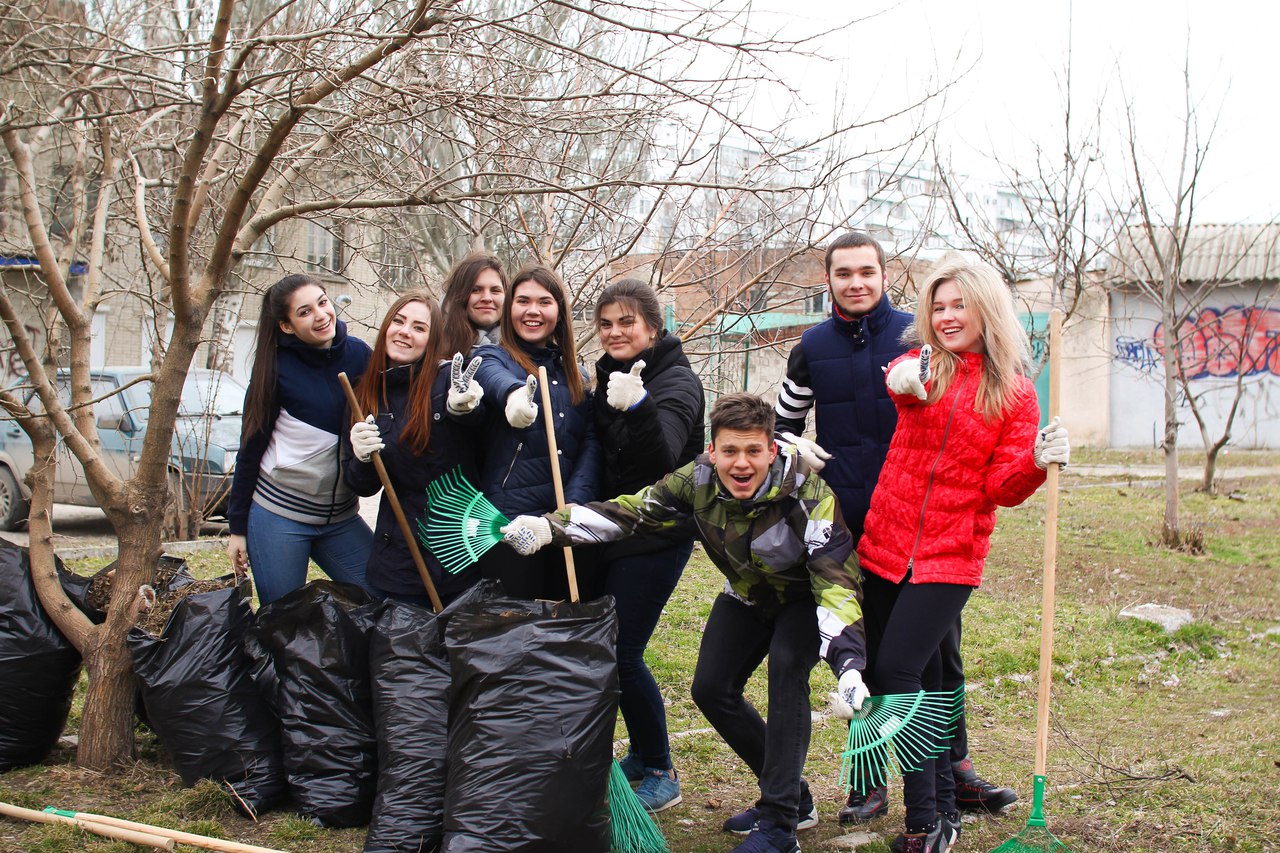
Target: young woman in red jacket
(966, 442)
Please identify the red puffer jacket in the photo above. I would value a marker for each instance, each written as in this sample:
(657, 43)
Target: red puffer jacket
(935, 504)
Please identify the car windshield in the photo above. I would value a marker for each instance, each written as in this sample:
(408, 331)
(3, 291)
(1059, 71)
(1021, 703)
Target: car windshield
(216, 394)
(203, 394)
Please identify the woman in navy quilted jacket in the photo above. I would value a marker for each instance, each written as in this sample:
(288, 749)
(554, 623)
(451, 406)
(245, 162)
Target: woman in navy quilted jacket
(966, 442)
(536, 330)
(423, 426)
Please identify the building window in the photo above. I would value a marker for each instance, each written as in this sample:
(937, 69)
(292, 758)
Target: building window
(262, 253)
(324, 247)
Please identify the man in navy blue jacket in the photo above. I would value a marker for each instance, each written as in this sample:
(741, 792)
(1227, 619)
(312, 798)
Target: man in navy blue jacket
(837, 370)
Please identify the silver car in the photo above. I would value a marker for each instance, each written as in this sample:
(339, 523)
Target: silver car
(203, 456)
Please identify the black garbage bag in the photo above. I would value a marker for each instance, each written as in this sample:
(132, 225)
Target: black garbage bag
(410, 679)
(531, 715)
(311, 662)
(202, 702)
(38, 666)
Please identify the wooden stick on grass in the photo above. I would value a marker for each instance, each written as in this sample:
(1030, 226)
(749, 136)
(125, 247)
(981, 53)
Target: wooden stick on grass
(132, 836)
(219, 844)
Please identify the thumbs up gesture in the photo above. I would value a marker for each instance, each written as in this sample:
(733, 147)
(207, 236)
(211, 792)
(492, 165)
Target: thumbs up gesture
(626, 390)
(521, 410)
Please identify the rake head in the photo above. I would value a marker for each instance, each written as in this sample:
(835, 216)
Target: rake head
(901, 730)
(460, 524)
(633, 830)
(1035, 837)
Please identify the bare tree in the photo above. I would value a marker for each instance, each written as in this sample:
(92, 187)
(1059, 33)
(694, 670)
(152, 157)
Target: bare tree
(181, 138)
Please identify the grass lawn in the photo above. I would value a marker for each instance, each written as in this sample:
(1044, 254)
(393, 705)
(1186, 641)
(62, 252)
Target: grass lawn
(1159, 742)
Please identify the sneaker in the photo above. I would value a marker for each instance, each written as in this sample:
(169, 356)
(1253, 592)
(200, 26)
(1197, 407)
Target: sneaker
(948, 832)
(921, 842)
(632, 767)
(768, 837)
(975, 794)
(660, 789)
(864, 808)
(744, 821)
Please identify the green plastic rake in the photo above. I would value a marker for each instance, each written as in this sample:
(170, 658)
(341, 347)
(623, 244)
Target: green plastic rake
(633, 829)
(898, 730)
(460, 524)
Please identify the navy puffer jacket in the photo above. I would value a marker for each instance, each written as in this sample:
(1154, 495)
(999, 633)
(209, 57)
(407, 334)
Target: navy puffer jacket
(452, 445)
(515, 474)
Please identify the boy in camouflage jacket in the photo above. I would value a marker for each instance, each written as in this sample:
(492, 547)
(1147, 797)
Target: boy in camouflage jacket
(773, 529)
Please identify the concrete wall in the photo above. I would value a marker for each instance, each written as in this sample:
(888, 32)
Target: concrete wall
(1238, 330)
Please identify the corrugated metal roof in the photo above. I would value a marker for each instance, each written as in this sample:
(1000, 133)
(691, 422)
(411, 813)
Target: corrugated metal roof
(742, 324)
(1221, 253)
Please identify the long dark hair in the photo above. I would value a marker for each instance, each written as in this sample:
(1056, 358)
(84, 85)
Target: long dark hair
(373, 385)
(457, 333)
(262, 379)
(561, 335)
(636, 296)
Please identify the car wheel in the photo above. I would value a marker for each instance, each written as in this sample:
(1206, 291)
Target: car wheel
(13, 506)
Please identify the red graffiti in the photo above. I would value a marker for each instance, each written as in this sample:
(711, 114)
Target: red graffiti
(1240, 340)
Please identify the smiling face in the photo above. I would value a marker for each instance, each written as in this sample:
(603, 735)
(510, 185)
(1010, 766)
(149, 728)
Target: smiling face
(742, 460)
(623, 333)
(958, 328)
(856, 279)
(312, 318)
(408, 333)
(484, 302)
(534, 312)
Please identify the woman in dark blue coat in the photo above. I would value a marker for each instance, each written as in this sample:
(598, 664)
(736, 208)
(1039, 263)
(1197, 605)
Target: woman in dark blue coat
(423, 429)
(537, 330)
(648, 413)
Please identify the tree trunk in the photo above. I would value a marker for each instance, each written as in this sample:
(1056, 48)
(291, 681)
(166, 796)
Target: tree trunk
(1170, 534)
(106, 728)
(1208, 482)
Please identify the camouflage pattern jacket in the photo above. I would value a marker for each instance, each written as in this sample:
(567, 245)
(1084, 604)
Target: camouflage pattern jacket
(785, 544)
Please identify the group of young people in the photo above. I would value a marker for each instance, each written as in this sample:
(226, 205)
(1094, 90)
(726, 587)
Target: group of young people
(303, 463)
(860, 549)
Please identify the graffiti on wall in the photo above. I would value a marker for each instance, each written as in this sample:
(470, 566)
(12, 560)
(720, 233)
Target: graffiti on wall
(1241, 340)
(11, 366)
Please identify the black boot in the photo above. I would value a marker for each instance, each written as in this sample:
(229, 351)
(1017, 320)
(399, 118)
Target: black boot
(975, 794)
(864, 808)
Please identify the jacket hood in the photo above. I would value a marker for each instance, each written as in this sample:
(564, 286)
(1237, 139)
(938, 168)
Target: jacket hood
(874, 321)
(317, 355)
(666, 351)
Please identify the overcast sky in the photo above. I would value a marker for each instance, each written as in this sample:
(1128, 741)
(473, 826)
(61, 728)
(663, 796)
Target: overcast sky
(1008, 58)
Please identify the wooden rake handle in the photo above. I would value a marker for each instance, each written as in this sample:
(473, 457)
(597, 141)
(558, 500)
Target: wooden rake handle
(1050, 554)
(390, 491)
(553, 451)
(132, 836)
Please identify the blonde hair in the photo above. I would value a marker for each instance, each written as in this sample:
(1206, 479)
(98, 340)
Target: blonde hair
(1004, 340)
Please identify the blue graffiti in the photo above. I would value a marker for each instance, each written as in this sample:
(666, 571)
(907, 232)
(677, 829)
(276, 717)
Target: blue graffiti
(1136, 352)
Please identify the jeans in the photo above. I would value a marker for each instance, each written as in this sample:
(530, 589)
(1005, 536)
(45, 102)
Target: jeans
(640, 585)
(735, 641)
(910, 623)
(280, 550)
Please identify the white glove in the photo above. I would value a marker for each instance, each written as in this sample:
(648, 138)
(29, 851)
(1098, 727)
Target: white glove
(1052, 445)
(849, 695)
(527, 534)
(626, 390)
(904, 379)
(810, 451)
(365, 439)
(521, 410)
(464, 391)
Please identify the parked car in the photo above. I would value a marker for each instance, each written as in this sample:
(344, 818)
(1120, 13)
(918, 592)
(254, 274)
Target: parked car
(205, 442)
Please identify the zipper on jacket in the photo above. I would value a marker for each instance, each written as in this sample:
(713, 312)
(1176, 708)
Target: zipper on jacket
(928, 489)
(512, 466)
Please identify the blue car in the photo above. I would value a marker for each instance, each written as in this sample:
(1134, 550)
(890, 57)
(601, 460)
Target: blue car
(205, 441)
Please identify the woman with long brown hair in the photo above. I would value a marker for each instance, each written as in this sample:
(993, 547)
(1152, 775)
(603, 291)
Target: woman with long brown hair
(289, 504)
(418, 422)
(537, 331)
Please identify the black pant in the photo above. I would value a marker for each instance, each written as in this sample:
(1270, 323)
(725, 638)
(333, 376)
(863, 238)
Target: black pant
(540, 575)
(735, 641)
(908, 624)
